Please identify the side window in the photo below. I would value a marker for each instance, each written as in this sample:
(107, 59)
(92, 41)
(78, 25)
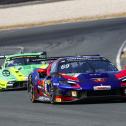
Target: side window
(53, 68)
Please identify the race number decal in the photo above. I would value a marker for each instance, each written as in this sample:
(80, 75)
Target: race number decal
(65, 66)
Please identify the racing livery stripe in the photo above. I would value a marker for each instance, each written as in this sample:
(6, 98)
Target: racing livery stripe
(18, 75)
(44, 66)
(3, 84)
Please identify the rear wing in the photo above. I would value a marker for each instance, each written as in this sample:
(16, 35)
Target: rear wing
(50, 58)
(55, 58)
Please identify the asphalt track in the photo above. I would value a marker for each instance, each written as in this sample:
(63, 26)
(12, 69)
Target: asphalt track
(102, 37)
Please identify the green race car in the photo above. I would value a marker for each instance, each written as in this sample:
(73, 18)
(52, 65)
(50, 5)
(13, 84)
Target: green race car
(16, 68)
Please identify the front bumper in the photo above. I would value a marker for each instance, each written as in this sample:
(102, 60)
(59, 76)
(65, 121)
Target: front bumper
(77, 95)
(17, 85)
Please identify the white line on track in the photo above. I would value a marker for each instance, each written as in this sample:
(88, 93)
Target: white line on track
(118, 62)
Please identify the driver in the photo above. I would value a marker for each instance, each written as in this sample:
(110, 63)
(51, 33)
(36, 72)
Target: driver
(11, 63)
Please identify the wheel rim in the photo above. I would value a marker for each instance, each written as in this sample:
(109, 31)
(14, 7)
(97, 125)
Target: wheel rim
(33, 98)
(52, 98)
(29, 84)
(52, 95)
(32, 95)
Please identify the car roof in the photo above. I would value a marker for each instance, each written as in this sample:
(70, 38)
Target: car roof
(83, 57)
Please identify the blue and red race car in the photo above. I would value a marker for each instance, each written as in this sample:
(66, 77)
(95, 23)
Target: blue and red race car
(76, 78)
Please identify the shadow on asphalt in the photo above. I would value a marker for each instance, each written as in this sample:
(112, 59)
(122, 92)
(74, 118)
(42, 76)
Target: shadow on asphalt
(9, 90)
(85, 102)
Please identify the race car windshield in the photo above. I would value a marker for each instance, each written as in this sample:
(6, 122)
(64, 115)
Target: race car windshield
(88, 66)
(24, 61)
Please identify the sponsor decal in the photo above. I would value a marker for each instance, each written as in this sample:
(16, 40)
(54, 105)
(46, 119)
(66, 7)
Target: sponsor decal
(10, 85)
(74, 93)
(55, 83)
(18, 75)
(65, 66)
(3, 84)
(6, 73)
(102, 87)
(58, 99)
(44, 98)
(97, 80)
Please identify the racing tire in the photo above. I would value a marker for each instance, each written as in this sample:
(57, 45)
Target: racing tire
(29, 83)
(32, 95)
(1, 89)
(52, 94)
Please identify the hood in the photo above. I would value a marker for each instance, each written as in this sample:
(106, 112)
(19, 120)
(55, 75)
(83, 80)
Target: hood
(93, 80)
(25, 70)
(20, 73)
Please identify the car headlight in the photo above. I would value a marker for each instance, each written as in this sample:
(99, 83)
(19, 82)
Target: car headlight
(67, 82)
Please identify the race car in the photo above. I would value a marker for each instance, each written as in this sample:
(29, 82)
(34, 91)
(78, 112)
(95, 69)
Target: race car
(77, 78)
(16, 68)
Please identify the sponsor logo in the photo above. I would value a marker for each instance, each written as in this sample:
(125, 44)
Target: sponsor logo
(43, 99)
(55, 83)
(97, 80)
(101, 87)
